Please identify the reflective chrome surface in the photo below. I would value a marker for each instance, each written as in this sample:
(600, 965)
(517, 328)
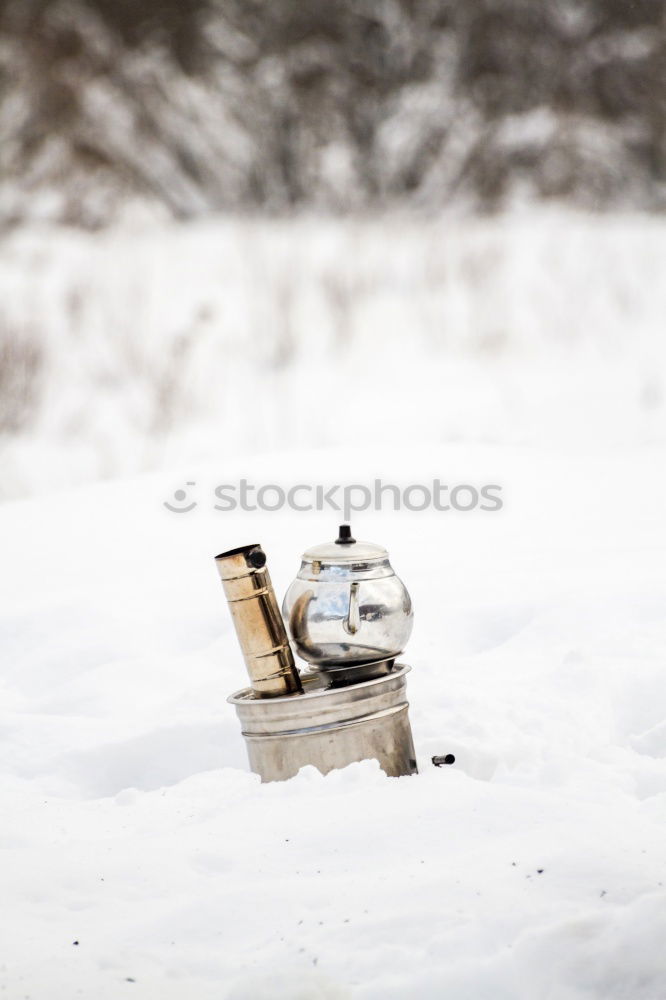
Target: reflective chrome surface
(329, 727)
(343, 610)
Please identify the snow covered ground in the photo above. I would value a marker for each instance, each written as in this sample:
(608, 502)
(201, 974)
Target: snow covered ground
(138, 855)
(139, 347)
(140, 858)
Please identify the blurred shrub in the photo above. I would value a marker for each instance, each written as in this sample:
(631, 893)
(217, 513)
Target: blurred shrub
(21, 364)
(206, 105)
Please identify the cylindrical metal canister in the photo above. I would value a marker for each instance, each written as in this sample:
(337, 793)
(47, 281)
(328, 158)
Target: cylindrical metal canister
(258, 622)
(329, 727)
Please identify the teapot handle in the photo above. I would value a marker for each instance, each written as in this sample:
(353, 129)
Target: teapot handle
(353, 621)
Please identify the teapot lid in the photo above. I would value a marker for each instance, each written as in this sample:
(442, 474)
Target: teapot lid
(345, 549)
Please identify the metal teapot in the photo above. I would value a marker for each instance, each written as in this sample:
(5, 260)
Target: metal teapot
(346, 608)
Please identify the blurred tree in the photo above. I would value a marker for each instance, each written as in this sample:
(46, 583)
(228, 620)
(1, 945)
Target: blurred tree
(191, 105)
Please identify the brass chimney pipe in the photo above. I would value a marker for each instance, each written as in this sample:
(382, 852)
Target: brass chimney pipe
(258, 622)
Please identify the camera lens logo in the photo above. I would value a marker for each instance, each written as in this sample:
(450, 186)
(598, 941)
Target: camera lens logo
(180, 496)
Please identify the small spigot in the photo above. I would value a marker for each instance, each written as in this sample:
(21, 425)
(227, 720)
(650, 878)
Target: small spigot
(445, 759)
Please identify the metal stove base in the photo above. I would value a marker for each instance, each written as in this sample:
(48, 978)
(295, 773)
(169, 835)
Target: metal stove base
(329, 726)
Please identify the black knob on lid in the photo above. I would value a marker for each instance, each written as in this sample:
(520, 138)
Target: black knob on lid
(345, 535)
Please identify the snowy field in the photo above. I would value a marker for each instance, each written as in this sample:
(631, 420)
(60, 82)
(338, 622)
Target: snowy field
(139, 348)
(140, 857)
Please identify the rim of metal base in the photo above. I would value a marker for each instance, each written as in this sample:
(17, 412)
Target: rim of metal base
(317, 684)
